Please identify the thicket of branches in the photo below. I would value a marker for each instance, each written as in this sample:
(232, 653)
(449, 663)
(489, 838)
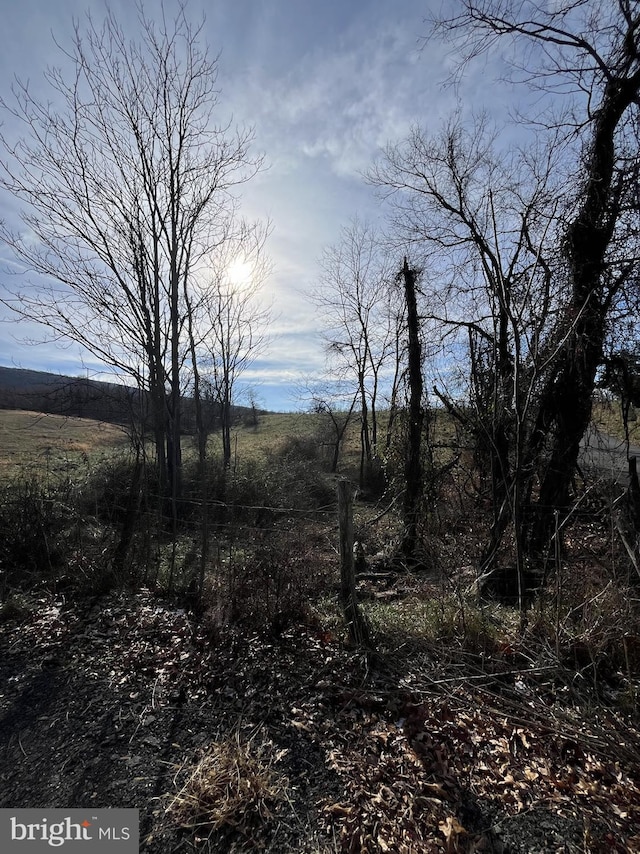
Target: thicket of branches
(529, 255)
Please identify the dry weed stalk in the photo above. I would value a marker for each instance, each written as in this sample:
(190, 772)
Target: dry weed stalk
(233, 786)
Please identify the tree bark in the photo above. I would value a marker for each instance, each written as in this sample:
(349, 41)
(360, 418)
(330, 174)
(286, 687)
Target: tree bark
(566, 401)
(413, 462)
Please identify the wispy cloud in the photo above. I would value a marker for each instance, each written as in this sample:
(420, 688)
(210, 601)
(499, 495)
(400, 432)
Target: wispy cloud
(345, 102)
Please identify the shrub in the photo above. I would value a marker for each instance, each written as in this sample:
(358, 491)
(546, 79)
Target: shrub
(32, 520)
(266, 582)
(108, 491)
(60, 535)
(260, 489)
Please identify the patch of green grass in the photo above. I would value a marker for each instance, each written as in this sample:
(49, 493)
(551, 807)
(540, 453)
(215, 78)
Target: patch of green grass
(274, 431)
(414, 617)
(442, 620)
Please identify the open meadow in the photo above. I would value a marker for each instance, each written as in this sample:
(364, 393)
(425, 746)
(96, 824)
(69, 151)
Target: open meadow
(38, 443)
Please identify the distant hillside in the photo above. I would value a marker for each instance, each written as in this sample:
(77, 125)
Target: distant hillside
(80, 397)
(63, 395)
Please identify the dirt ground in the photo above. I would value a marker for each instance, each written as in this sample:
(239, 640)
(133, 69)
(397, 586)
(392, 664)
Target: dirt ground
(122, 702)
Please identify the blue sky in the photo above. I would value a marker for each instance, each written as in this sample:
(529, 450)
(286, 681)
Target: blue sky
(326, 85)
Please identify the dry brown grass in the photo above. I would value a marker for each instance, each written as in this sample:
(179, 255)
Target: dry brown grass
(607, 416)
(271, 432)
(233, 786)
(39, 443)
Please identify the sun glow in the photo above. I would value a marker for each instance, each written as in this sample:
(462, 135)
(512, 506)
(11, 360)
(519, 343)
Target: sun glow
(240, 272)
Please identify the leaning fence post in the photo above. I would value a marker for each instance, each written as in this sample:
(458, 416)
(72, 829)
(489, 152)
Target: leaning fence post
(356, 623)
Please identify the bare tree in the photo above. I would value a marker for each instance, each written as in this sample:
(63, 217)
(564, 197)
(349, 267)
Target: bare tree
(233, 320)
(361, 323)
(490, 291)
(124, 177)
(334, 403)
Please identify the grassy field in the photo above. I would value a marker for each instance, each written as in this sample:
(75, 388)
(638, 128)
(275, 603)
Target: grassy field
(271, 431)
(607, 415)
(55, 444)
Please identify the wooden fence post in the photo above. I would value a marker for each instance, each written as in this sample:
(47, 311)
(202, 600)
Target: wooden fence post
(356, 624)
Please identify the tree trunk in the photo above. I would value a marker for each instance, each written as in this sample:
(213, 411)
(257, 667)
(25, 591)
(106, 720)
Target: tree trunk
(566, 400)
(226, 426)
(365, 438)
(413, 463)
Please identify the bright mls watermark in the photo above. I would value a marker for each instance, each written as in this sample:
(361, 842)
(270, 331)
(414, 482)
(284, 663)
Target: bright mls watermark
(31, 831)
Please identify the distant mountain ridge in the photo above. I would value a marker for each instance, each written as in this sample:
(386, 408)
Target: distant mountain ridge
(82, 397)
(58, 394)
